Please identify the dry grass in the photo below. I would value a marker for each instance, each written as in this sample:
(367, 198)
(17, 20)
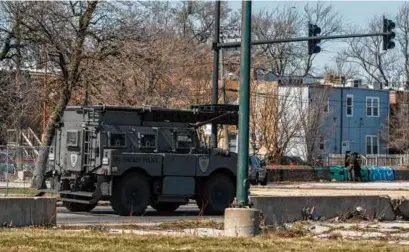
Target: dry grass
(17, 191)
(180, 225)
(29, 192)
(80, 240)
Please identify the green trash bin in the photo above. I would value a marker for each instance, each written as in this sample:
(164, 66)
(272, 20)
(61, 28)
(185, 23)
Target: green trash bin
(338, 173)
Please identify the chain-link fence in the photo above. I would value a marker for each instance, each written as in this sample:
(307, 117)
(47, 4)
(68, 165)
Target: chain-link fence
(17, 164)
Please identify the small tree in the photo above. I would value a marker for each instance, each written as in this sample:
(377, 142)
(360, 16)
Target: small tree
(313, 114)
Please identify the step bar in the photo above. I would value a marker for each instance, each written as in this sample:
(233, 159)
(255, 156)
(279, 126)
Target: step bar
(92, 195)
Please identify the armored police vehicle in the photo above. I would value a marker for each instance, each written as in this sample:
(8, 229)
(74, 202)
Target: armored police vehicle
(140, 156)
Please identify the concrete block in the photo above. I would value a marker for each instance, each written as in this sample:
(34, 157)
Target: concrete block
(283, 209)
(241, 222)
(30, 211)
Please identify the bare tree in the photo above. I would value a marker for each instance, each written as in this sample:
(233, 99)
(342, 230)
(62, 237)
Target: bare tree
(313, 114)
(325, 17)
(403, 37)
(13, 91)
(379, 67)
(276, 24)
(71, 32)
(274, 118)
(397, 133)
(342, 67)
(287, 22)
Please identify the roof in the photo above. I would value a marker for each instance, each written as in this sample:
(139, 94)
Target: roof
(220, 114)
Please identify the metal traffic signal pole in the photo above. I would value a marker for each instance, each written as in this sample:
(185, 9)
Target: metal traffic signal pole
(244, 105)
(241, 220)
(300, 39)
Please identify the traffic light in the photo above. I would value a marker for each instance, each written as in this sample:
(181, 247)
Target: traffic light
(313, 47)
(388, 27)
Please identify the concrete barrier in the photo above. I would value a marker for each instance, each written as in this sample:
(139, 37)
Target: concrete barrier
(283, 209)
(291, 174)
(27, 211)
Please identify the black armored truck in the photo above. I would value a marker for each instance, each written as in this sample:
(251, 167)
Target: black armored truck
(143, 156)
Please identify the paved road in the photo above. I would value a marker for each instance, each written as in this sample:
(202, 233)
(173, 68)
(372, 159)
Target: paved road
(105, 215)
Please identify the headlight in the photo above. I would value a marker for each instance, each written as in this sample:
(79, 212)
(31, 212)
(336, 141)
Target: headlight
(105, 161)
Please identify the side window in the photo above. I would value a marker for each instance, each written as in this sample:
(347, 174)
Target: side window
(372, 106)
(117, 140)
(72, 138)
(184, 140)
(147, 140)
(349, 105)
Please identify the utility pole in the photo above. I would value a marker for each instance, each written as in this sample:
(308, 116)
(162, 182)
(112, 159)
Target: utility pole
(19, 153)
(215, 83)
(223, 83)
(242, 220)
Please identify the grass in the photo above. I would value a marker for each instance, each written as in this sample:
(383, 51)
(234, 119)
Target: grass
(18, 191)
(98, 240)
(4, 192)
(186, 224)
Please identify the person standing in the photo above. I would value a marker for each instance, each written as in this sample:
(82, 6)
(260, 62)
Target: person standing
(357, 167)
(350, 161)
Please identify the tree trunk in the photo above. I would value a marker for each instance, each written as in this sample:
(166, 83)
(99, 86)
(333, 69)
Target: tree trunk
(38, 180)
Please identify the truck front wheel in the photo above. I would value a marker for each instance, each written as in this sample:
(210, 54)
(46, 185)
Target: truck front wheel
(217, 194)
(131, 195)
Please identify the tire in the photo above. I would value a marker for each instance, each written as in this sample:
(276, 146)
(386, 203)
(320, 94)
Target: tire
(255, 181)
(131, 195)
(165, 206)
(78, 207)
(217, 194)
(264, 181)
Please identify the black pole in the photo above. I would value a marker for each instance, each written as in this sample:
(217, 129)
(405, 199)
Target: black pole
(341, 126)
(215, 86)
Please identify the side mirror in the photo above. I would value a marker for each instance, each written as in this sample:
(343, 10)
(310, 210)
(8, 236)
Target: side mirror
(256, 146)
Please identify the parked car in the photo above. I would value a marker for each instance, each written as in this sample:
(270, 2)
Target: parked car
(292, 160)
(257, 169)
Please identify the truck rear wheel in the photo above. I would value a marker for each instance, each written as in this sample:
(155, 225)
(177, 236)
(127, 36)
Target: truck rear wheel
(165, 206)
(78, 207)
(131, 195)
(217, 194)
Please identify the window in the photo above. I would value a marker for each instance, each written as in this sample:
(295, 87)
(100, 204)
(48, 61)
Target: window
(184, 141)
(117, 140)
(322, 143)
(72, 138)
(372, 145)
(147, 140)
(372, 106)
(349, 105)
